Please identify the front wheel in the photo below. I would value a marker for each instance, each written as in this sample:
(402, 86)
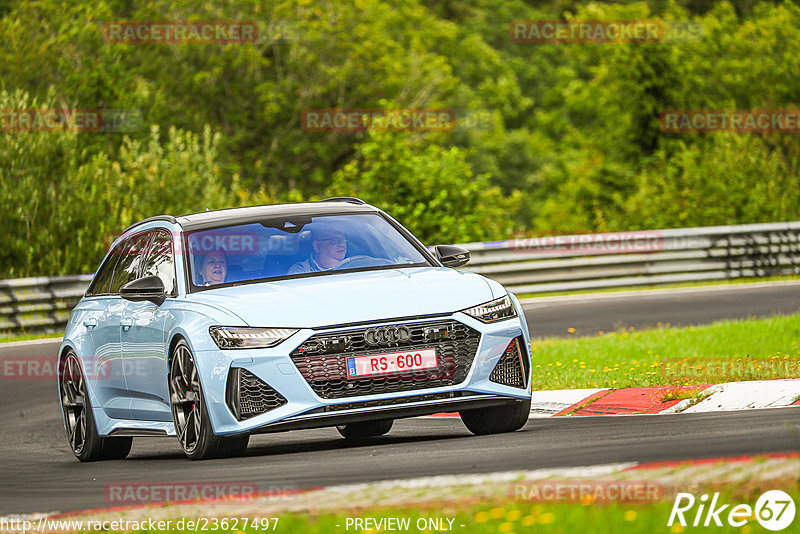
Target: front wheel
(86, 443)
(366, 429)
(190, 414)
(498, 419)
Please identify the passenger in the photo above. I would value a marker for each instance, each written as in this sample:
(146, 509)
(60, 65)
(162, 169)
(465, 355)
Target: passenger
(328, 249)
(213, 268)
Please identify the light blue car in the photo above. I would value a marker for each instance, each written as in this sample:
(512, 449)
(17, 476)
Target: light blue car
(218, 325)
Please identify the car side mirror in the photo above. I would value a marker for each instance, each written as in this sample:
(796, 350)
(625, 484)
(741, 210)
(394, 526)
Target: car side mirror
(452, 255)
(146, 288)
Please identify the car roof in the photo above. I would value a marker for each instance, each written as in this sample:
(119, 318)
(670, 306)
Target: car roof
(213, 219)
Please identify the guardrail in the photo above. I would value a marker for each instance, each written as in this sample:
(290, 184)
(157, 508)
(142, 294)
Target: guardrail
(523, 265)
(574, 263)
(32, 305)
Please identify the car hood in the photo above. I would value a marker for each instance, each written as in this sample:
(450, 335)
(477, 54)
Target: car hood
(351, 297)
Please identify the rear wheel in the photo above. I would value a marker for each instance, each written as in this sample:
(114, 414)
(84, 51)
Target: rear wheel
(86, 444)
(498, 419)
(190, 414)
(366, 429)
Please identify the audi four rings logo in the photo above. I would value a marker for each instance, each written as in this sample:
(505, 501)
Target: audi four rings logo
(387, 335)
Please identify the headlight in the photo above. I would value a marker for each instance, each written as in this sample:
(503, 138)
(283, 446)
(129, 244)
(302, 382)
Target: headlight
(242, 337)
(492, 311)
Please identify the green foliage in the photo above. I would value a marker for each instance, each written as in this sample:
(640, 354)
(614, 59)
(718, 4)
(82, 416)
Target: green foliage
(430, 189)
(726, 178)
(572, 139)
(62, 206)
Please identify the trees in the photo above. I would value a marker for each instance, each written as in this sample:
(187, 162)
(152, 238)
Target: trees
(726, 178)
(63, 205)
(430, 189)
(573, 127)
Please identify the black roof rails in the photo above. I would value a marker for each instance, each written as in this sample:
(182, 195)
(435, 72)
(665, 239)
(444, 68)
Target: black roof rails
(351, 200)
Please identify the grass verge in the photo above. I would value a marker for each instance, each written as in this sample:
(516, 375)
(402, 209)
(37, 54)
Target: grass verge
(726, 351)
(29, 337)
(509, 516)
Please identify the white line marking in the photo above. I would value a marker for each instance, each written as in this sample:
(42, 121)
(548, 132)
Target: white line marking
(748, 396)
(53, 340)
(657, 292)
(549, 403)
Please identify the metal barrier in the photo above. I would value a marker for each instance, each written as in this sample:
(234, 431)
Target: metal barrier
(539, 265)
(574, 263)
(33, 305)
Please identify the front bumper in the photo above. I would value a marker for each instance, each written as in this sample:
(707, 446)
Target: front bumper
(299, 396)
(403, 408)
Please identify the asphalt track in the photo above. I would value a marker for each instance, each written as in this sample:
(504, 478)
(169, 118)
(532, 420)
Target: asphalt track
(39, 474)
(591, 313)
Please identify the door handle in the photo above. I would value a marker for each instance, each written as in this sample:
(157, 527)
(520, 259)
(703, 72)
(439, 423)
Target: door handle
(90, 323)
(126, 323)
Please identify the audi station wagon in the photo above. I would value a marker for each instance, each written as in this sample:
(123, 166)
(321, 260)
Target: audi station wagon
(219, 325)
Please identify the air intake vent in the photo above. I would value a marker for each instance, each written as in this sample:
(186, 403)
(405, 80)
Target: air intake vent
(248, 396)
(512, 369)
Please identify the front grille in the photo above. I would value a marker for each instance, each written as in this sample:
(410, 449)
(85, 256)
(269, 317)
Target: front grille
(511, 369)
(248, 396)
(322, 359)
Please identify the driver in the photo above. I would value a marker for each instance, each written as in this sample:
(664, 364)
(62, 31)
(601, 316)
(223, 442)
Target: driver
(213, 268)
(328, 249)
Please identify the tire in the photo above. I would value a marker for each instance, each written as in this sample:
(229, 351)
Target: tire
(498, 419)
(85, 442)
(190, 414)
(366, 429)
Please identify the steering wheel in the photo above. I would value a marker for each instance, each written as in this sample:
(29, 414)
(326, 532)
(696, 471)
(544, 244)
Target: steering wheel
(354, 262)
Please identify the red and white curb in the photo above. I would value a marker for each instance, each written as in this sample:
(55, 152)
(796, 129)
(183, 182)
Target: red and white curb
(747, 395)
(661, 400)
(655, 400)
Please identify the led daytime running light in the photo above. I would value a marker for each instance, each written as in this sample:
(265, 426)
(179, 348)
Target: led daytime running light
(495, 310)
(227, 337)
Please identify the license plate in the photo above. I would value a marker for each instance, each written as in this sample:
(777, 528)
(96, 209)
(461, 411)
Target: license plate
(393, 362)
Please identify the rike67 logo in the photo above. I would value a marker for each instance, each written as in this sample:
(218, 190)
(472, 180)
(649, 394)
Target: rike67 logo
(774, 510)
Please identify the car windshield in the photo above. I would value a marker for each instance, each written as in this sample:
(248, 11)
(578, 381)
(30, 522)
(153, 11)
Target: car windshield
(297, 247)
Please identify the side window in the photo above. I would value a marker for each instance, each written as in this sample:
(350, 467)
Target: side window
(130, 261)
(161, 261)
(102, 280)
